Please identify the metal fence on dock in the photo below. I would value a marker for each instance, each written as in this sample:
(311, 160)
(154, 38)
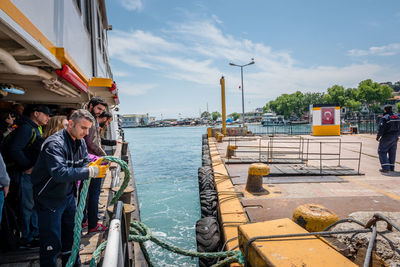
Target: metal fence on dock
(362, 124)
(324, 153)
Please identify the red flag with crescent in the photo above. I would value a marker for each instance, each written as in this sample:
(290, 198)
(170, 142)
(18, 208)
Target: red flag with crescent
(328, 116)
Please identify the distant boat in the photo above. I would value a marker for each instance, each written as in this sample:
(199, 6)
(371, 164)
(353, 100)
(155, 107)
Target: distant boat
(299, 122)
(270, 119)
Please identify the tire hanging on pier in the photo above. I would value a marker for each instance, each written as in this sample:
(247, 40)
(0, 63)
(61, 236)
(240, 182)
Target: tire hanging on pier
(209, 203)
(208, 238)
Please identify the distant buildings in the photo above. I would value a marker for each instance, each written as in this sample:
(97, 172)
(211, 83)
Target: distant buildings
(136, 120)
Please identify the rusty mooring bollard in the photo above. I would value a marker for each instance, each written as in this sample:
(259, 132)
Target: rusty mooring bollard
(230, 151)
(254, 180)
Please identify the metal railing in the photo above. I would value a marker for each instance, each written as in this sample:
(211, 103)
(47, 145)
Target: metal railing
(295, 150)
(116, 253)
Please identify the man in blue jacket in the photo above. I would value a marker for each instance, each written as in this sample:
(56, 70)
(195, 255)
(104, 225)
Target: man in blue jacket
(388, 135)
(63, 160)
(21, 153)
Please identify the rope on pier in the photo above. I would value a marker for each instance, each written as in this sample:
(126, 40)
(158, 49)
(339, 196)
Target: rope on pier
(139, 232)
(82, 203)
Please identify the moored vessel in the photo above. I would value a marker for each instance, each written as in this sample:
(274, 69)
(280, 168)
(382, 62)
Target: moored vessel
(62, 62)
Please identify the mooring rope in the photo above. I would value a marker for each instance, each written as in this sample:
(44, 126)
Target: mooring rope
(141, 233)
(82, 203)
(138, 231)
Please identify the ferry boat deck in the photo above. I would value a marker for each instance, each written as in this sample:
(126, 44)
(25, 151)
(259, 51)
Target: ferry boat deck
(89, 241)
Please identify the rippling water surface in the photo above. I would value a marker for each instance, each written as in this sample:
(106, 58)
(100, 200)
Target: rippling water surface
(165, 163)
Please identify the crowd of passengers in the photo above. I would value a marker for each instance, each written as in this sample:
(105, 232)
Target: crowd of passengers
(43, 161)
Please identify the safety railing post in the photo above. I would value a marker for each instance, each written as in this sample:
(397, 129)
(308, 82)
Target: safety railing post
(320, 157)
(359, 159)
(308, 150)
(116, 253)
(340, 150)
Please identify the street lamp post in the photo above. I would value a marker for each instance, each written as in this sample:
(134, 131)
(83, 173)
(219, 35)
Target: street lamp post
(241, 73)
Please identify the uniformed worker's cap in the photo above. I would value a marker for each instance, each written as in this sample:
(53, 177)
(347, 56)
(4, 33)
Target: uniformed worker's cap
(387, 107)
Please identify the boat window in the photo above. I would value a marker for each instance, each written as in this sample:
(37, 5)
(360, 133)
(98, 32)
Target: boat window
(79, 5)
(99, 32)
(87, 16)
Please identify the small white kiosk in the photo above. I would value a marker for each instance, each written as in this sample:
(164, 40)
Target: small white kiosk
(325, 120)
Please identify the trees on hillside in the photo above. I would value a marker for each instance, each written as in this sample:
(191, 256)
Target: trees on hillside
(215, 115)
(235, 116)
(205, 114)
(298, 103)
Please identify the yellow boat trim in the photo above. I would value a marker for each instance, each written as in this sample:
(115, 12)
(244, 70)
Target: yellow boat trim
(100, 82)
(13, 12)
(19, 17)
(65, 58)
(319, 108)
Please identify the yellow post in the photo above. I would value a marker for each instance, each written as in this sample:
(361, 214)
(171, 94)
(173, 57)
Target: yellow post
(222, 82)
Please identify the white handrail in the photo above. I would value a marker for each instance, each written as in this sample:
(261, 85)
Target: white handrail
(113, 256)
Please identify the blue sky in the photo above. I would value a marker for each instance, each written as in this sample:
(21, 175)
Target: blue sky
(168, 56)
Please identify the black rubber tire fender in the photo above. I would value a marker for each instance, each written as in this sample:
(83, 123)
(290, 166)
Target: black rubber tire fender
(208, 238)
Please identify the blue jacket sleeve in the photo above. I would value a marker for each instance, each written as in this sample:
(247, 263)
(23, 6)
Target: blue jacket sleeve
(86, 155)
(58, 168)
(17, 145)
(382, 126)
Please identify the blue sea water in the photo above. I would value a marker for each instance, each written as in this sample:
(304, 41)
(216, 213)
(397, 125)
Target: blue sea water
(165, 163)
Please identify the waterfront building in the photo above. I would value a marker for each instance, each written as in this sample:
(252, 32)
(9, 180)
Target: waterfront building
(136, 120)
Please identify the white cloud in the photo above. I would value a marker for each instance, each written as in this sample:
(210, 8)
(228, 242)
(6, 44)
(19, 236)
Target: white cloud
(132, 4)
(216, 19)
(385, 50)
(199, 52)
(120, 73)
(134, 88)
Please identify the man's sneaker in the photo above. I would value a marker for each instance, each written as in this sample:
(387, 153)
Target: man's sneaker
(383, 170)
(98, 228)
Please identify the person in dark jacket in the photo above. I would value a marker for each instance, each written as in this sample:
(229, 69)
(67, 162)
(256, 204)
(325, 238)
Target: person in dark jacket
(4, 182)
(388, 135)
(20, 157)
(96, 107)
(63, 160)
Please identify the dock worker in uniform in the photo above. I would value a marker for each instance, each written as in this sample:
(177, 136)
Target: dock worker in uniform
(63, 160)
(388, 135)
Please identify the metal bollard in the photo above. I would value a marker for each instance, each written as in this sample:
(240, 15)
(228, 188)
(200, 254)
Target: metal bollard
(314, 217)
(230, 151)
(254, 179)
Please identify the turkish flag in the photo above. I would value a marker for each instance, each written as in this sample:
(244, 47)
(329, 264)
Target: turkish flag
(328, 116)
